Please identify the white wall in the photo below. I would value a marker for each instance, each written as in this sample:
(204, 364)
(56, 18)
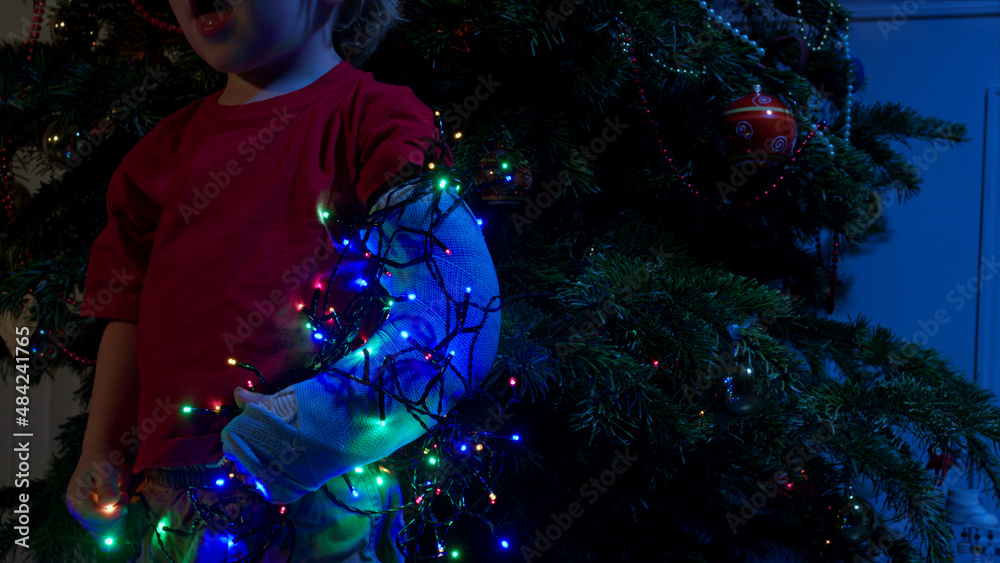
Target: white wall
(940, 58)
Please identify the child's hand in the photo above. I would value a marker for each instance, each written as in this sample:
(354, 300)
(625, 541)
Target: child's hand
(97, 496)
(243, 398)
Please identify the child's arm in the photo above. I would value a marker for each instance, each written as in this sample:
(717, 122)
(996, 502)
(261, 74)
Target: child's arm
(115, 274)
(102, 475)
(310, 432)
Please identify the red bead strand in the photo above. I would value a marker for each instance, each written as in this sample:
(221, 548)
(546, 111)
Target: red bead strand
(831, 296)
(160, 24)
(625, 35)
(6, 175)
(37, 17)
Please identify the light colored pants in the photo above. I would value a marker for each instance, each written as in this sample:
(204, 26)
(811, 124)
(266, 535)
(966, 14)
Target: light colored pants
(323, 530)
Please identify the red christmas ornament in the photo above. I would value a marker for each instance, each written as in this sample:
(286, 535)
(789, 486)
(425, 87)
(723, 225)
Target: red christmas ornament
(757, 128)
(500, 182)
(940, 463)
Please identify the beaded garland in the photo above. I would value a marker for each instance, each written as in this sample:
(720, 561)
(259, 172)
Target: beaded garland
(720, 21)
(6, 175)
(160, 24)
(625, 37)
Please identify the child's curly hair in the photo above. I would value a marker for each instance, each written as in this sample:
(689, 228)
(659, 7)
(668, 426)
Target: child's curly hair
(361, 26)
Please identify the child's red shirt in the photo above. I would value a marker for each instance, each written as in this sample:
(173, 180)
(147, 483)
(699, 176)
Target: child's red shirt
(215, 237)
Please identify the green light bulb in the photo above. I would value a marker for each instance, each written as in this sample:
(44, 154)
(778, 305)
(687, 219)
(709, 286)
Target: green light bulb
(109, 541)
(186, 409)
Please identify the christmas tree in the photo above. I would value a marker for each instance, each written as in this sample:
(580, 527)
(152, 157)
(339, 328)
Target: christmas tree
(666, 189)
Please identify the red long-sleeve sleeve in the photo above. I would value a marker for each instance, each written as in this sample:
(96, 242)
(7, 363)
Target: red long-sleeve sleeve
(119, 257)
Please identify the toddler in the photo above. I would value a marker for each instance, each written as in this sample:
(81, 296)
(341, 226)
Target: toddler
(222, 222)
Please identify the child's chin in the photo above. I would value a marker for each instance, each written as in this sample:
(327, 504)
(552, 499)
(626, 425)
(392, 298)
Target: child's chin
(221, 61)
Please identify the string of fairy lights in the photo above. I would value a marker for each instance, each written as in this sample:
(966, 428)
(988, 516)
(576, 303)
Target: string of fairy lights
(453, 474)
